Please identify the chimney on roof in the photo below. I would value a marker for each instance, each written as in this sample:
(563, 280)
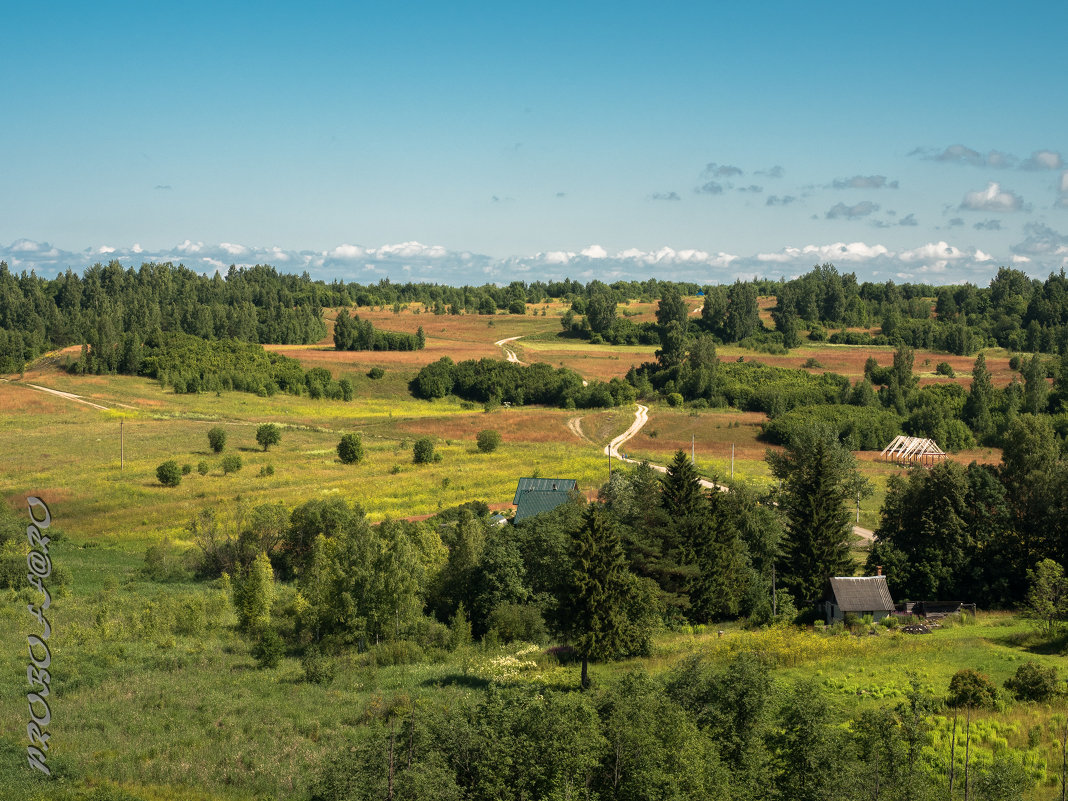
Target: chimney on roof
(878, 570)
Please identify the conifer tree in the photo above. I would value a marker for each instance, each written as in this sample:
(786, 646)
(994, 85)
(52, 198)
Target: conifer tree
(604, 595)
(977, 408)
(819, 483)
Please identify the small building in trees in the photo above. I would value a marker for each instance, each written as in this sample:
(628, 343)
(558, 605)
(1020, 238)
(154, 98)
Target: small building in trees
(536, 495)
(859, 595)
(913, 450)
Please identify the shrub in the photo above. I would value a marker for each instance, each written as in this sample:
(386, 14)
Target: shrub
(375, 373)
(350, 449)
(1032, 682)
(169, 473)
(318, 667)
(217, 439)
(202, 468)
(971, 688)
(812, 363)
(488, 439)
(346, 389)
(268, 434)
(674, 399)
(423, 451)
(187, 469)
(231, 463)
(267, 470)
(945, 368)
(269, 649)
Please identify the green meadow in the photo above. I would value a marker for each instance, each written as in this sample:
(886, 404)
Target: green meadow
(157, 696)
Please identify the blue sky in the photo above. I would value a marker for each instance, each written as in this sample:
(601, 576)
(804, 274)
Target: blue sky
(471, 142)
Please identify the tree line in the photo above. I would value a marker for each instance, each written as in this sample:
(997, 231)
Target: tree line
(108, 303)
(352, 333)
(191, 364)
(497, 381)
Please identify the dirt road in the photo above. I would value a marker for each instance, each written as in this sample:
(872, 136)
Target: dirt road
(508, 352)
(58, 393)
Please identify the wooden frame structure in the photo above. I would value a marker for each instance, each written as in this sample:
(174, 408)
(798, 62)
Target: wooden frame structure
(913, 450)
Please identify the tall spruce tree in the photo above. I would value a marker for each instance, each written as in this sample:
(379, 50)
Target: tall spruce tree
(721, 560)
(819, 483)
(977, 408)
(604, 598)
(683, 508)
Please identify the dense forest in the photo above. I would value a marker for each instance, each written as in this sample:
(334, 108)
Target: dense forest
(258, 304)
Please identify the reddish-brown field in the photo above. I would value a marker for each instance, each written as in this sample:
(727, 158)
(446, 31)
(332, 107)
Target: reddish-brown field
(593, 363)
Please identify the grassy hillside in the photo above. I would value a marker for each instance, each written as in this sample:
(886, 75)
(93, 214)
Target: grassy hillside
(155, 691)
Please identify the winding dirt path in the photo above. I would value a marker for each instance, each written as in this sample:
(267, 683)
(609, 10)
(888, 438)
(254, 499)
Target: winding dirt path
(508, 352)
(574, 425)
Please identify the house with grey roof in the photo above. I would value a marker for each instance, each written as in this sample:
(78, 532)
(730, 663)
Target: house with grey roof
(859, 595)
(533, 496)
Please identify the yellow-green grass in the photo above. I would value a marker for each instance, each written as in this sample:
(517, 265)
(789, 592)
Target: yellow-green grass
(70, 453)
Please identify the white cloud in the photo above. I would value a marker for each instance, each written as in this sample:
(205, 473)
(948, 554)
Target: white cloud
(557, 257)
(410, 250)
(839, 251)
(1043, 250)
(993, 198)
(1064, 181)
(347, 252)
(932, 250)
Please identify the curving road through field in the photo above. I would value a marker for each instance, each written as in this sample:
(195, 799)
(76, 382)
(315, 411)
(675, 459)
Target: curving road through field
(508, 352)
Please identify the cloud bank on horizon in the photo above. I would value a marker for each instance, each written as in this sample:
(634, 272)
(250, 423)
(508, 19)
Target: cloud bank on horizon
(1043, 250)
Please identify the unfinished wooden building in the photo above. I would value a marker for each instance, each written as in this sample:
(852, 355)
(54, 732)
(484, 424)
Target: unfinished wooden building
(913, 450)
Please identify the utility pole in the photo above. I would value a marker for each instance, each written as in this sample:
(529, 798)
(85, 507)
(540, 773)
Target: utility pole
(858, 507)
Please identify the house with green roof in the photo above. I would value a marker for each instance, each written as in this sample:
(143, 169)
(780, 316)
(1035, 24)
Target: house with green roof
(533, 496)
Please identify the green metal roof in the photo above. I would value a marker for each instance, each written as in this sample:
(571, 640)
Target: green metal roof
(534, 502)
(542, 484)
